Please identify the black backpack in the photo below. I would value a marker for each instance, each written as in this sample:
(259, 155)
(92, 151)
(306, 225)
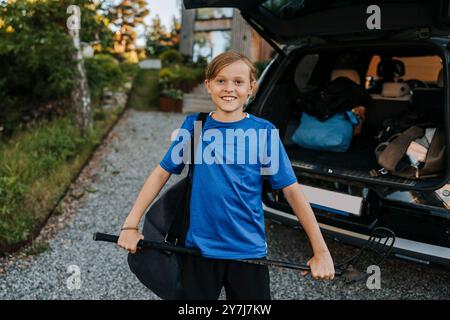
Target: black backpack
(340, 95)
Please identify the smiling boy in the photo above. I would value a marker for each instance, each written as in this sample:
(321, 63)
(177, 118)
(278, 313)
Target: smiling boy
(226, 214)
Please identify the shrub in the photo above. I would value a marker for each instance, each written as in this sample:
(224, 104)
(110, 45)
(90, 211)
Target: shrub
(173, 93)
(129, 70)
(179, 77)
(103, 71)
(170, 56)
(29, 157)
(36, 54)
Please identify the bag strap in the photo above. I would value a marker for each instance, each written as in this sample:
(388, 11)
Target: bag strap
(180, 225)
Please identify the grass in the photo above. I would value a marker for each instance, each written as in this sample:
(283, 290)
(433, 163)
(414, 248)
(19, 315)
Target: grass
(145, 92)
(36, 167)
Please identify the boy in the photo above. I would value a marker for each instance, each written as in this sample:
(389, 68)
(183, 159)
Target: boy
(226, 215)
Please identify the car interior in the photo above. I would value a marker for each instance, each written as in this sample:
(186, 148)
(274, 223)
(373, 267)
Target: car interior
(401, 82)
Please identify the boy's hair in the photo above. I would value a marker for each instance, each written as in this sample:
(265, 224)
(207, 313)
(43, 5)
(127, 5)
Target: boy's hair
(226, 58)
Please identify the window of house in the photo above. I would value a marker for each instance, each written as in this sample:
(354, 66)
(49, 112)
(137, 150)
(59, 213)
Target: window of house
(210, 44)
(214, 13)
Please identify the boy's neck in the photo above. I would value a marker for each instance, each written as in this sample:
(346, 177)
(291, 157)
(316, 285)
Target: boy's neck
(222, 116)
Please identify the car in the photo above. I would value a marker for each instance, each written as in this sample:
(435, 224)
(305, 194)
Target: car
(390, 46)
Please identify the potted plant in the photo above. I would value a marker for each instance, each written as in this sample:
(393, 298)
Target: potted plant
(171, 100)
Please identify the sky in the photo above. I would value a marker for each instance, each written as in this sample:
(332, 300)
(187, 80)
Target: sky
(166, 9)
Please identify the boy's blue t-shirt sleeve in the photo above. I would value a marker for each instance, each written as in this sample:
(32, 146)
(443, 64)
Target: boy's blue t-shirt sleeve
(174, 164)
(279, 169)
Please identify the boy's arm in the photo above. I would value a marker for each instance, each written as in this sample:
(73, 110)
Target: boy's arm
(129, 238)
(152, 186)
(321, 264)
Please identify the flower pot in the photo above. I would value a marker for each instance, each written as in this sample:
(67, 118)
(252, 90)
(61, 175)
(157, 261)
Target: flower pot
(168, 104)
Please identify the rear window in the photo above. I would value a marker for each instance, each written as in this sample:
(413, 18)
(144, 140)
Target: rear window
(425, 68)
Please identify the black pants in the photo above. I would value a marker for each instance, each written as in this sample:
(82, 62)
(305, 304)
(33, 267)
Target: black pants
(203, 278)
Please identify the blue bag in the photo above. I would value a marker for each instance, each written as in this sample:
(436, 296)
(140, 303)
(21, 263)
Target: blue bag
(334, 134)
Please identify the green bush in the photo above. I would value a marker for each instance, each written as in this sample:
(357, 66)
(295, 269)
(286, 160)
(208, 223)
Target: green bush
(170, 56)
(37, 64)
(129, 70)
(103, 71)
(31, 156)
(173, 93)
(99, 115)
(179, 77)
(144, 94)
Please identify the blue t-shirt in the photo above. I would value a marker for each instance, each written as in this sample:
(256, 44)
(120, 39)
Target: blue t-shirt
(226, 214)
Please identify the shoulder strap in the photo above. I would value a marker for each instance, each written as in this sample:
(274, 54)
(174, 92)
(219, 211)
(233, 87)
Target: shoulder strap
(180, 225)
(202, 116)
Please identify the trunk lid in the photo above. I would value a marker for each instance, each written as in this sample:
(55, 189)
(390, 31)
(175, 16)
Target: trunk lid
(288, 21)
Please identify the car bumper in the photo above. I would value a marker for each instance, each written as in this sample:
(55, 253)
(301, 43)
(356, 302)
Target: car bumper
(403, 248)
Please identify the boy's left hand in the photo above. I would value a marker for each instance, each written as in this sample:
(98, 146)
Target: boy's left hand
(322, 267)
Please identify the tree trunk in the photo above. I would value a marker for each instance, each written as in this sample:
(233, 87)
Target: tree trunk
(81, 99)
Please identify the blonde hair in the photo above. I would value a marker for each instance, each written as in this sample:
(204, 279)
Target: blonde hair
(225, 59)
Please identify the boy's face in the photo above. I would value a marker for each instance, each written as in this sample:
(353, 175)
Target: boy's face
(231, 87)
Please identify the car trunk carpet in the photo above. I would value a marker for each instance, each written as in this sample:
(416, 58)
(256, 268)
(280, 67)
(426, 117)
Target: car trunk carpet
(360, 155)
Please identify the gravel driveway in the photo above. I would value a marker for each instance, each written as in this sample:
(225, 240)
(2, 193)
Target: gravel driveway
(117, 172)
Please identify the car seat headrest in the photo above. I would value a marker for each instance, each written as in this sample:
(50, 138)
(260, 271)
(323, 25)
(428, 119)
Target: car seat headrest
(395, 89)
(390, 69)
(346, 73)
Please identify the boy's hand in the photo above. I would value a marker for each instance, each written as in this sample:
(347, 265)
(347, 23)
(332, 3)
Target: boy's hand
(322, 267)
(129, 239)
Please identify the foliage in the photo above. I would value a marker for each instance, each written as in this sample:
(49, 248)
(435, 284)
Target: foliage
(173, 93)
(179, 77)
(170, 56)
(145, 92)
(36, 168)
(129, 70)
(95, 25)
(158, 40)
(33, 156)
(36, 54)
(103, 71)
(125, 17)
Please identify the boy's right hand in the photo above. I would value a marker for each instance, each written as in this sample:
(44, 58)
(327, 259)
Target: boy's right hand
(128, 240)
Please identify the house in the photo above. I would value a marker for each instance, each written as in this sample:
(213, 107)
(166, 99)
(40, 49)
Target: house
(207, 32)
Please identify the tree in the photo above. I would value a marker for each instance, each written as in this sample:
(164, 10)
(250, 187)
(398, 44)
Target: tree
(175, 33)
(95, 25)
(38, 58)
(81, 99)
(125, 17)
(160, 40)
(157, 39)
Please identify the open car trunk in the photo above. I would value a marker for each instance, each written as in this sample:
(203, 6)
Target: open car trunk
(308, 69)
